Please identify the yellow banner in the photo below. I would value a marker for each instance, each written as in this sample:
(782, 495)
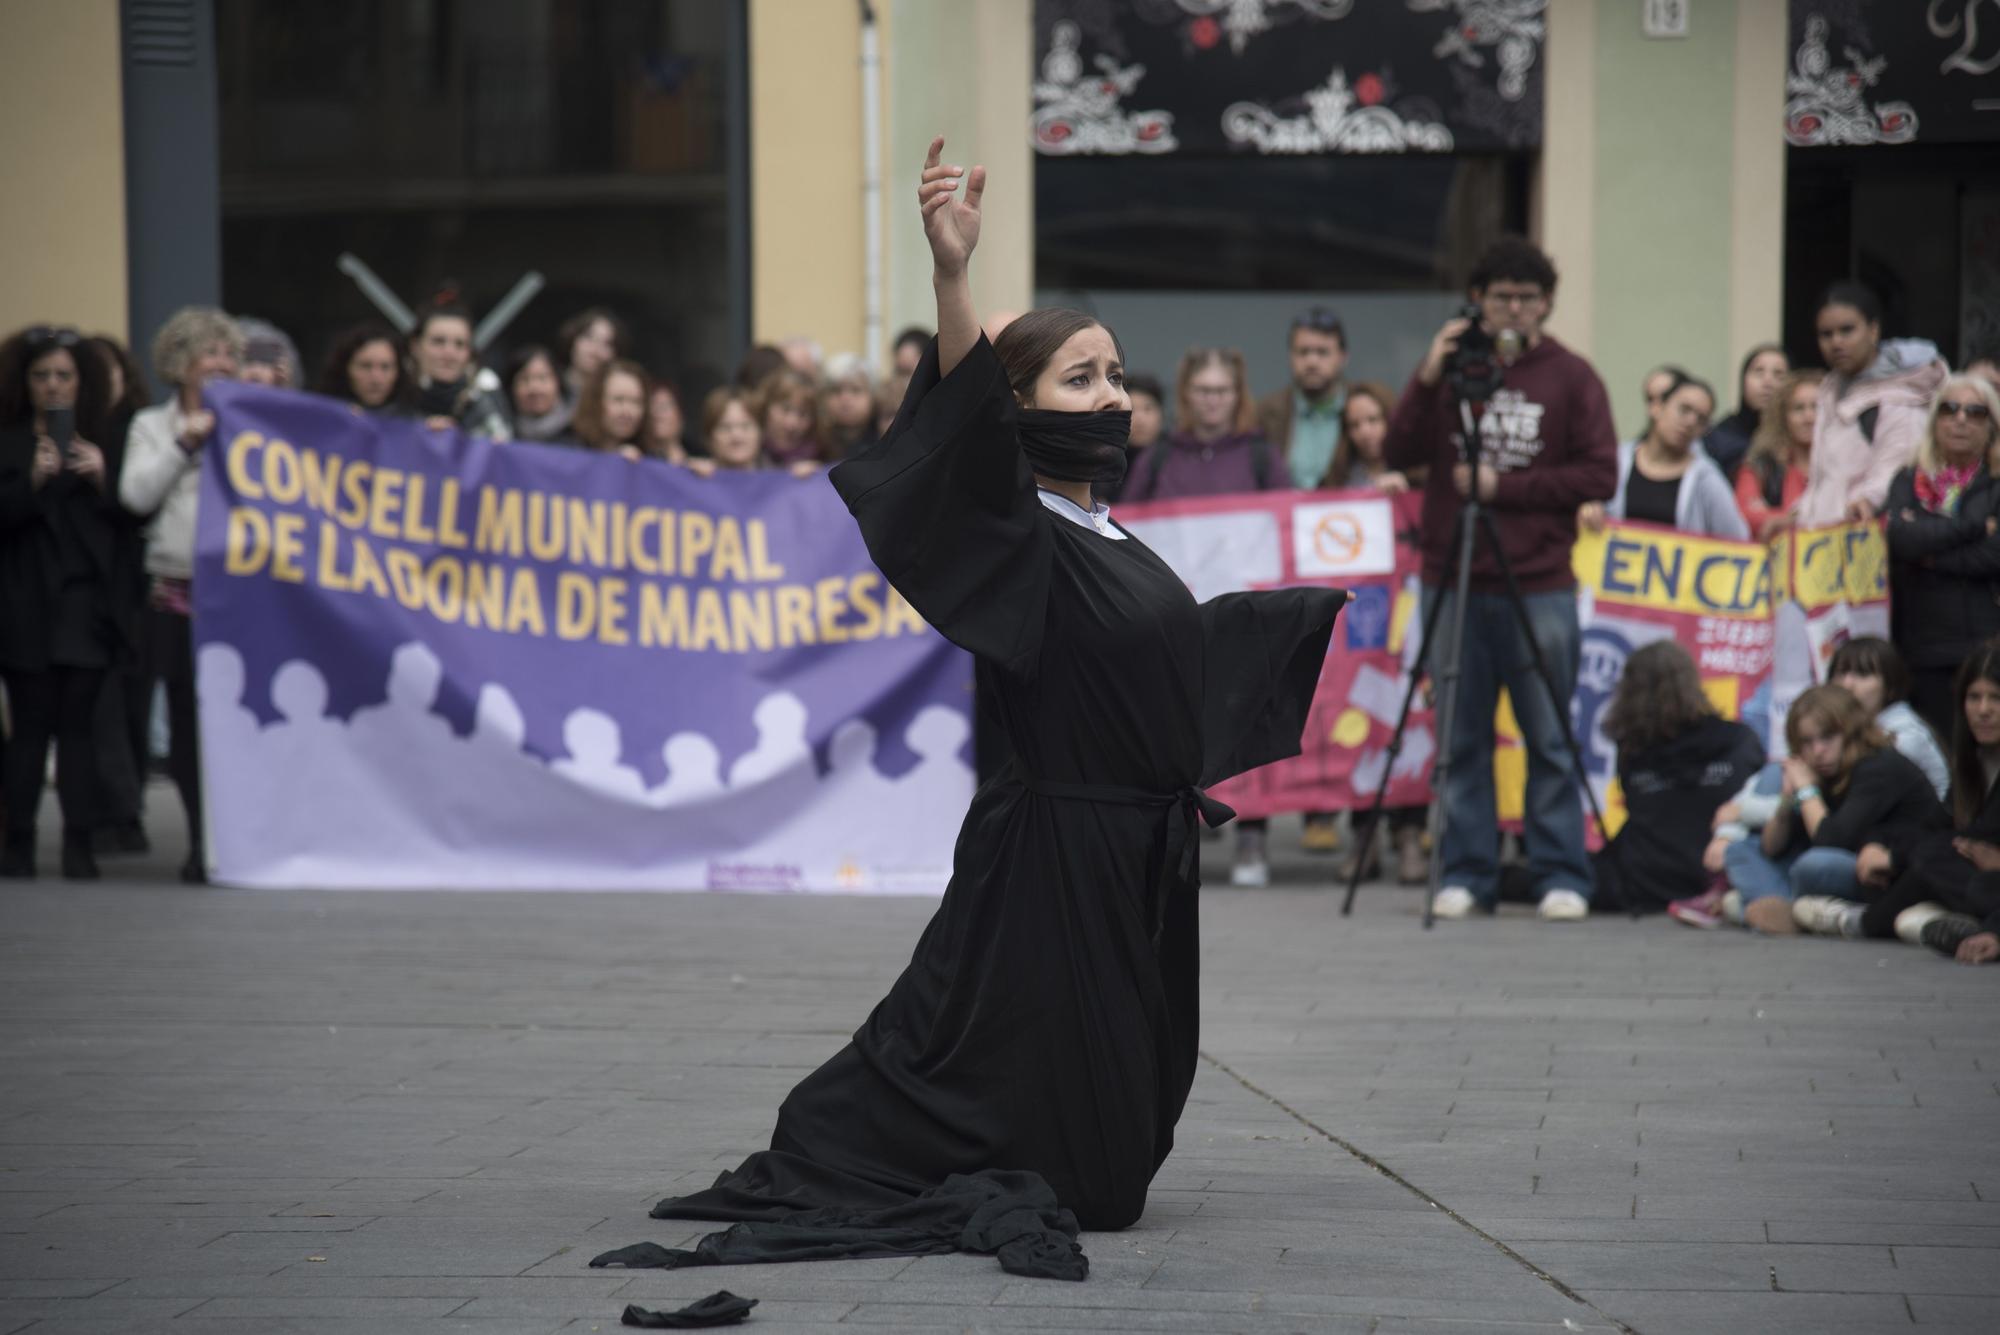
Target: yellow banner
(1848, 563)
(1673, 572)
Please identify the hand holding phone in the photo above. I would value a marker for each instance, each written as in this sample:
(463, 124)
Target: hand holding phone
(61, 425)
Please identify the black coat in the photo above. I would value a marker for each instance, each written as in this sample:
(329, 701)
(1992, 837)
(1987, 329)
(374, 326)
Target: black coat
(36, 527)
(1945, 573)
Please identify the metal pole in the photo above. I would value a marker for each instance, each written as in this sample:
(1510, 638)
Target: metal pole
(871, 184)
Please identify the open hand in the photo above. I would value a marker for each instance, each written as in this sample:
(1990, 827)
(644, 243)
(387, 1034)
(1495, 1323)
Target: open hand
(1489, 480)
(1979, 853)
(1392, 484)
(1873, 865)
(1798, 775)
(804, 468)
(951, 224)
(1590, 516)
(701, 467)
(1860, 510)
(87, 462)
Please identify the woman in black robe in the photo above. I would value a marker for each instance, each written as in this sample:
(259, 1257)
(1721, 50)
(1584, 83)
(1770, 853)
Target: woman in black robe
(1025, 1072)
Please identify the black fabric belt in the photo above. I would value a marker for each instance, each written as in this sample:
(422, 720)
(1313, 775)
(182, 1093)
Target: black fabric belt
(1188, 807)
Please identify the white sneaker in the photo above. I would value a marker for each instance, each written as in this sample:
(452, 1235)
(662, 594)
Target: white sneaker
(1732, 907)
(1252, 875)
(1825, 915)
(1910, 922)
(1563, 906)
(1454, 901)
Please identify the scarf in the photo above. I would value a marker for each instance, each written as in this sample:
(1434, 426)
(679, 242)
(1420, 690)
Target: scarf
(1940, 492)
(1076, 447)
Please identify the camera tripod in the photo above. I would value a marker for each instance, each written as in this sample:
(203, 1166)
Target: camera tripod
(1473, 517)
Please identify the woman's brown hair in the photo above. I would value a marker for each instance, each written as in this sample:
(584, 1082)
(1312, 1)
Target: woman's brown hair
(802, 392)
(1341, 471)
(588, 422)
(1659, 697)
(1230, 360)
(1968, 775)
(1031, 339)
(1836, 711)
(1773, 439)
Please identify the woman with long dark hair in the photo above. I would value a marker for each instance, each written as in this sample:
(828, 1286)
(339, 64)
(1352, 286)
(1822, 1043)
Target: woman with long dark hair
(365, 367)
(1025, 1073)
(60, 625)
(1871, 407)
(1728, 441)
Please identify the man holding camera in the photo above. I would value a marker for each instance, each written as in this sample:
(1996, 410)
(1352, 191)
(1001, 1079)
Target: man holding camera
(1546, 445)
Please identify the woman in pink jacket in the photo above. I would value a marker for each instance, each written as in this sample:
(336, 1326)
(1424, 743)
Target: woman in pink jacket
(1872, 406)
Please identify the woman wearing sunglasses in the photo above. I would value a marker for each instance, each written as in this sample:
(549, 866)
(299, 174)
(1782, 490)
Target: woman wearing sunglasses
(1944, 544)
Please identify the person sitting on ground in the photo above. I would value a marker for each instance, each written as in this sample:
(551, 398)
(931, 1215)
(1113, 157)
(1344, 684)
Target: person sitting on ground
(1773, 475)
(847, 405)
(450, 388)
(665, 434)
(540, 411)
(788, 414)
(1869, 669)
(1665, 478)
(365, 368)
(1845, 787)
(611, 410)
(1757, 383)
(1678, 762)
(735, 441)
(1871, 408)
(1944, 545)
(1946, 897)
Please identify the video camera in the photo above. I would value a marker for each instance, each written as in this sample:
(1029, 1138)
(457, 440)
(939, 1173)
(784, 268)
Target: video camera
(1475, 371)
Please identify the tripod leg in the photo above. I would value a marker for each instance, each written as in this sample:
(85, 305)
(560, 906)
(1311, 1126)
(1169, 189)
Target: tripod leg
(1395, 750)
(1447, 712)
(1560, 705)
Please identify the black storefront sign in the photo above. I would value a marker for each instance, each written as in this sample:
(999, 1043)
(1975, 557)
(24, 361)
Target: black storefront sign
(1893, 72)
(1287, 77)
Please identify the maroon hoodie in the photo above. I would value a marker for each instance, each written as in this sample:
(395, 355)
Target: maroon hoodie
(1548, 432)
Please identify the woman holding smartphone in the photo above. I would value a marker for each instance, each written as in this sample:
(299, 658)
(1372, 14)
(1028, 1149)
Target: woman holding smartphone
(59, 628)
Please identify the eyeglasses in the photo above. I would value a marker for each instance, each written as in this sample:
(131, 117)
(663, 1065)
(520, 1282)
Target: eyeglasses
(1513, 298)
(51, 336)
(1211, 391)
(1971, 412)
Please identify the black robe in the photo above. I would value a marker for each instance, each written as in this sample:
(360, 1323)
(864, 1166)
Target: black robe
(1045, 1031)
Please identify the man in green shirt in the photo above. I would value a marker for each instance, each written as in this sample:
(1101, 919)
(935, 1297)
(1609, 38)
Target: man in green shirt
(1303, 418)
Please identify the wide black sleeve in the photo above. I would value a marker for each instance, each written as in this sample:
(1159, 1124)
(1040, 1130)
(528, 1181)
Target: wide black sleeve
(1880, 795)
(947, 506)
(1262, 654)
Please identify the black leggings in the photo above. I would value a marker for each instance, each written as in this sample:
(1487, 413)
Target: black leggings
(1937, 875)
(58, 704)
(171, 643)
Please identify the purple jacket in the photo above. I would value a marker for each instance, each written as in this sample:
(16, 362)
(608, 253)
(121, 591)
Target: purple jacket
(1217, 468)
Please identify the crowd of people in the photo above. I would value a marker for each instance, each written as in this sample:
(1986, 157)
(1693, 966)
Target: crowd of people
(1893, 758)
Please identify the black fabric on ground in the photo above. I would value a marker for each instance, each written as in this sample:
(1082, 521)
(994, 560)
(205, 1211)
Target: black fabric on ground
(717, 1309)
(1671, 793)
(1043, 1035)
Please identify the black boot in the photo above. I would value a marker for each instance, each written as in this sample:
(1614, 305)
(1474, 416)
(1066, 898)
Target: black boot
(195, 870)
(17, 858)
(113, 840)
(78, 862)
(1945, 932)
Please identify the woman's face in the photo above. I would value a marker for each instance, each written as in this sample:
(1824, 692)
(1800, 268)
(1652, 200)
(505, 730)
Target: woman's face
(788, 420)
(1212, 398)
(624, 406)
(260, 373)
(1801, 415)
(52, 380)
(735, 442)
(1760, 382)
(371, 373)
(1822, 747)
(444, 349)
(1965, 425)
(217, 361)
(535, 390)
(1848, 340)
(851, 403)
(1366, 426)
(1863, 686)
(595, 346)
(1085, 375)
(1683, 416)
(1148, 419)
(1982, 712)
(664, 421)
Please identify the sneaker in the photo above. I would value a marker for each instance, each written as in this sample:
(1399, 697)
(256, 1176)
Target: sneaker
(1320, 835)
(1732, 907)
(1454, 901)
(1703, 911)
(1910, 923)
(1251, 875)
(1945, 932)
(1563, 906)
(1825, 915)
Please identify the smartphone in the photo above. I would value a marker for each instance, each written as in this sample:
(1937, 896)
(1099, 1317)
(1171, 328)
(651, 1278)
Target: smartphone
(62, 428)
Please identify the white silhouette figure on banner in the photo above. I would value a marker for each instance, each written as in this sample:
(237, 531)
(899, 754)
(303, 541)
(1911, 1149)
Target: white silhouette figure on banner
(595, 744)
(415, 674)
(497, 721)
(694, 771)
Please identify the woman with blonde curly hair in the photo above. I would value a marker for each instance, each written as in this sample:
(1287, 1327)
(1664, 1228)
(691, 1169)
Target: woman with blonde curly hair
(1773, 475)
(160, 482)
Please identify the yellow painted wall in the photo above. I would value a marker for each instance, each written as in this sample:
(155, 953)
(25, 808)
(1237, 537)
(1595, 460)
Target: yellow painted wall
(62, 157)
(960, 68)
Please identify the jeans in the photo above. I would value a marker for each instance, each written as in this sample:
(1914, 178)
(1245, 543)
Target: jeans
(1756, 875)
(1497, 655)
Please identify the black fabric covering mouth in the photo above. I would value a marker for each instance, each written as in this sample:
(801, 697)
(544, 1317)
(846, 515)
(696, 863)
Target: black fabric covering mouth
(717, 1309)
(1075, 447)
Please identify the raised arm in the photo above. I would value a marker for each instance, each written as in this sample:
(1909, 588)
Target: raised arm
(951, 225)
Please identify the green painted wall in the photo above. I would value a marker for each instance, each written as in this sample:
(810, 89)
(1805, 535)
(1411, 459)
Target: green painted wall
(1664, 126)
